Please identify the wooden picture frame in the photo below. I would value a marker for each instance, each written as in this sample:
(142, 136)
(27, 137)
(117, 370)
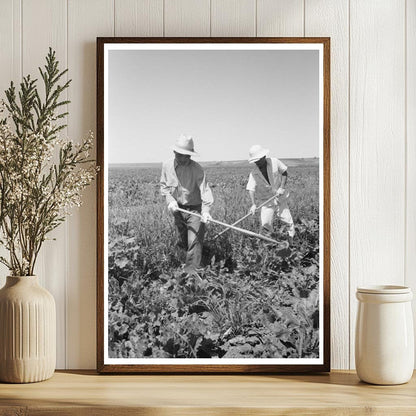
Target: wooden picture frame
(167, 364)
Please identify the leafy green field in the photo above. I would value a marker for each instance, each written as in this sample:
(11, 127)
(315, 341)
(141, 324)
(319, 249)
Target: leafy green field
(251, 301)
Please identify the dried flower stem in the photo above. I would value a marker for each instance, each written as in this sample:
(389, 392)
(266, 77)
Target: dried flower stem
(36, 193)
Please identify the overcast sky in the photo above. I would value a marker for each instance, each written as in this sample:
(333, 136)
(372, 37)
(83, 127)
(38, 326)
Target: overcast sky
(227, 100)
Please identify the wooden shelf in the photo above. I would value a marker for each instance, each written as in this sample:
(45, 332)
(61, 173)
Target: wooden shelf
(86, 393)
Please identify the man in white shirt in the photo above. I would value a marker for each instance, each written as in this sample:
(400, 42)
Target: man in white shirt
(268, 178)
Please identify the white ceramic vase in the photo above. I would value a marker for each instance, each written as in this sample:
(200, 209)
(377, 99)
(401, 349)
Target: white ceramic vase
(384, 352)
(27, 331)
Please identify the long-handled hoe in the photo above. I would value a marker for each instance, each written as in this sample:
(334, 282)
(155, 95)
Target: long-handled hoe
(233, 227)
(245, 216)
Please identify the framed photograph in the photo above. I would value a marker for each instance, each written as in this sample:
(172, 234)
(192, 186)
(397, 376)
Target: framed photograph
(213, 201)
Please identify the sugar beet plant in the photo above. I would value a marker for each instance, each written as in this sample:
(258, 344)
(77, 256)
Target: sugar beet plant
(41, 175)
(252, 300)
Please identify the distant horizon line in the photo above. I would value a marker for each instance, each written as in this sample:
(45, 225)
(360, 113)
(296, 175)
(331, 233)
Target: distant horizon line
(210, 161)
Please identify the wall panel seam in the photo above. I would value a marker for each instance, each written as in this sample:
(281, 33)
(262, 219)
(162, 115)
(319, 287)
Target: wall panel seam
(210, 18)
(405, 145)
(349, 184)
(304, 18)
(21, 40)
(67, 230)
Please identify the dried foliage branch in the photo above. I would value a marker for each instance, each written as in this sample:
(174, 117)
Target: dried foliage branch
(36, 189)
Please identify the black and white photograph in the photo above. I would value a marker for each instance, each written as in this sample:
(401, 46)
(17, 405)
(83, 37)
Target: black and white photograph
(213, 202)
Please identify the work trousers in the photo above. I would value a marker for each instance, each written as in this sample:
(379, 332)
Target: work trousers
(190, 232)
(283, 214)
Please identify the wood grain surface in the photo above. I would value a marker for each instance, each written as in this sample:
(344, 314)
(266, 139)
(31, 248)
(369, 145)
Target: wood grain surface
(85, 393)
(281, 18)
(187, 18)
(35, 45)
(377, 135)
(138, 17)
(373, 89)
(233, 18)
(11, 65)
(331, 18)
(410, 229)
(81, 283)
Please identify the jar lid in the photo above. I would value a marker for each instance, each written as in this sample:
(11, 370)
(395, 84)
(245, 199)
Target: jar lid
(384, 289)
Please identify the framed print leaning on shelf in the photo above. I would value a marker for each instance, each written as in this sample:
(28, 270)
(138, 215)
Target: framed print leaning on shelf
(213, 205)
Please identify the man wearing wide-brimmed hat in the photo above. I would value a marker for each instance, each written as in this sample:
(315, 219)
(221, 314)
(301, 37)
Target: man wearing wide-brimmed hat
(184, 185)
(268, 178)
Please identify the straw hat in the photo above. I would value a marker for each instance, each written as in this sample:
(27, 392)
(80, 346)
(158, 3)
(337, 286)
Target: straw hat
(184, 145)
(256, 152)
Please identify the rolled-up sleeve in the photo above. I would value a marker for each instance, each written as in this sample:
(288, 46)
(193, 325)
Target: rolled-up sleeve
(206, 195)
(281, 167)
(251, 184)
(166, 190)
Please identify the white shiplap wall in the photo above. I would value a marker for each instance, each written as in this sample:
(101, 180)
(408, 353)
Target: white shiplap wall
(373, 132)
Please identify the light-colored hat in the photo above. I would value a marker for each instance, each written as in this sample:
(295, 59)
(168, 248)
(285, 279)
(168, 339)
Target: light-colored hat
(256, 152)
(184, 145)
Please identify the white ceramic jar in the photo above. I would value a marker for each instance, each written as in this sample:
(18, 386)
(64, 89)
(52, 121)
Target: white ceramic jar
(384, 343)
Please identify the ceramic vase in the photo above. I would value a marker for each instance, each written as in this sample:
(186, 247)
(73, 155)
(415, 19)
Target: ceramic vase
(384, 352)
(27, 331)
